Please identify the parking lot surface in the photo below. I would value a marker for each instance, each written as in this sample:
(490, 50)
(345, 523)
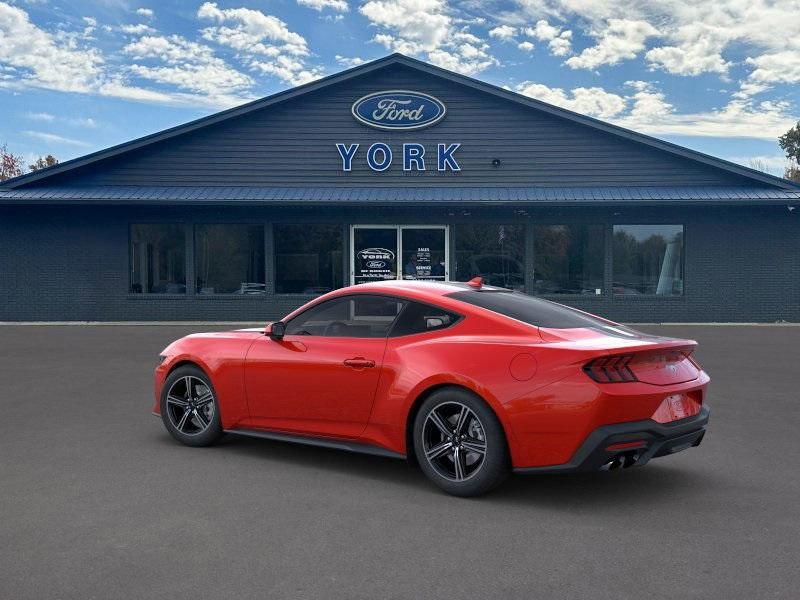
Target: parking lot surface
(97, 501)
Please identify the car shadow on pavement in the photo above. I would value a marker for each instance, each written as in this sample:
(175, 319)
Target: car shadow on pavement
(653, 485)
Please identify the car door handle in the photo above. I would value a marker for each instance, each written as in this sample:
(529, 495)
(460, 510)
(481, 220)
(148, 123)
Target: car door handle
(359, 362)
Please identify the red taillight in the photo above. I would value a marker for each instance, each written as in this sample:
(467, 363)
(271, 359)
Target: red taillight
(610, 369)
(658, 367)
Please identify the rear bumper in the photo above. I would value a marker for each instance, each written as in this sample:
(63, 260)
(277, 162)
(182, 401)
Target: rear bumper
(657, 440)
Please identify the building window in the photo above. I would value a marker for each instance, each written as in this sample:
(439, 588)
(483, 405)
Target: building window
(229, 259)
(568, 259)
(495, 252)
(308, 258)
(648, 259)
(158, 259)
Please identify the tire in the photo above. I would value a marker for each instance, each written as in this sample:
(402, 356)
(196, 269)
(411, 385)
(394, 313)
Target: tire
(194, 422)
(447, 440)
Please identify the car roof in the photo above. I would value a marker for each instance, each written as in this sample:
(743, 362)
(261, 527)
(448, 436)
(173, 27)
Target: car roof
(416, 287)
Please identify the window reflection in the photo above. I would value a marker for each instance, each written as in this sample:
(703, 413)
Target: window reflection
(495, 252)
(158, 259)
(229, 259)
(308, 258)
(648, 259)
(568, 259)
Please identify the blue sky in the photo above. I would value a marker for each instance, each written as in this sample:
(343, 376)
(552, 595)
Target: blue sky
(720, 77)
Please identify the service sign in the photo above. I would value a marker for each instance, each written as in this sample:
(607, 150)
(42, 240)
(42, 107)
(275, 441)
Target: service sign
(398, 110)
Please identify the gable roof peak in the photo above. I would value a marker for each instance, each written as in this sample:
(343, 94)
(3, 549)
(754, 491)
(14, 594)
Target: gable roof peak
(424, 67)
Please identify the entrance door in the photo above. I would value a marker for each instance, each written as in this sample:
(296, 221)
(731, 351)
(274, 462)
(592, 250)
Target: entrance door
(381, 252)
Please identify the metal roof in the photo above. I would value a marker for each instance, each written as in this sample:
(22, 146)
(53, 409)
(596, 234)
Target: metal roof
(757, 177)
(398, 196)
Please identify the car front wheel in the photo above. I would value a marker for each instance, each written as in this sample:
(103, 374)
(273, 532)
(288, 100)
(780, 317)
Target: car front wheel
(460, 444)
(189, 407)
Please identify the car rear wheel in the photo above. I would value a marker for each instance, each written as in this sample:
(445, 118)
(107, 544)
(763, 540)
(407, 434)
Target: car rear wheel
(460, 444)
(189, 407)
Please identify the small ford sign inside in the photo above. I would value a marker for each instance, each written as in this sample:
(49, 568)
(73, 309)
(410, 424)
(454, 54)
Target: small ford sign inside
(398, 110)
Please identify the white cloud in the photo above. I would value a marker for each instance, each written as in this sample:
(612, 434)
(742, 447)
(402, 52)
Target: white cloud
(53, 61)
(698, 50)
(693, 36)
(55, 139)
(262, 41)
(187, 65)
(145, 12)
(558, 40)
(289, 69)
(594, 101)
(138, 29)
(427, 28)
(319, 5)
(776, 67)
(40, 116)
(619, 40)
(349, 61)
(503, 32)
(86, 122)
(646, 110)
(251, 31)
(525, 46)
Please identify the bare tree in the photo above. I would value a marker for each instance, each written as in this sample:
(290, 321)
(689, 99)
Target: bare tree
(759, 164)
(43, 162)
(10, 164)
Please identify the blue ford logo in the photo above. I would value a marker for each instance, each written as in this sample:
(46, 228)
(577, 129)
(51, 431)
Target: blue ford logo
(398, 110)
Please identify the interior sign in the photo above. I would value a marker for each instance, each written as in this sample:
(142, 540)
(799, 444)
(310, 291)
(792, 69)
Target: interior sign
(375, 263)
(398, 110)
(379, 156)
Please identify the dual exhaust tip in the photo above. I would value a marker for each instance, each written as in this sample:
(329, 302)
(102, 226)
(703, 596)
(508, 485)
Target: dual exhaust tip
(621, 461)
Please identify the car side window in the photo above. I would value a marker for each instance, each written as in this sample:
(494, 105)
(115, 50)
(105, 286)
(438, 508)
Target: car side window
(419, 318)
(357, 316)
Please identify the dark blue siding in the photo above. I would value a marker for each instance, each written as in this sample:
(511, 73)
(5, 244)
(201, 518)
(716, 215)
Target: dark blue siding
(293, 144)
(71, 263)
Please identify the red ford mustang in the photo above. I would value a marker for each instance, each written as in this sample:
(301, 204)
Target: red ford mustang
(468, 381)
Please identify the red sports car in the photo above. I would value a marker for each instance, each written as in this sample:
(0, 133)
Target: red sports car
(466, 380)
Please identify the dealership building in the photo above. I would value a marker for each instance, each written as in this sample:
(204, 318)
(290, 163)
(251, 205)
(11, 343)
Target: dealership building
(397, 169)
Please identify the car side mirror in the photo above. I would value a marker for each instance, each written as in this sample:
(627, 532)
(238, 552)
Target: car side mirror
(275, 330)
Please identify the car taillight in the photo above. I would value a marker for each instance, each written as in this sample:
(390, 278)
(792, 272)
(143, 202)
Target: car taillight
(610, 369)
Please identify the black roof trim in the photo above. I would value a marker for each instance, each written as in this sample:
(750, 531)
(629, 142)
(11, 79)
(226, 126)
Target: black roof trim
(419, 65)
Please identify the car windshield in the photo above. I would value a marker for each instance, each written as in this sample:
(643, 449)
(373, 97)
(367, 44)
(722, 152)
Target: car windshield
(538, 312)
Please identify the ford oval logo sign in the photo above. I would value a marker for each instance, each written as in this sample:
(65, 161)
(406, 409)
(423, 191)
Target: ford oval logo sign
(398, 110)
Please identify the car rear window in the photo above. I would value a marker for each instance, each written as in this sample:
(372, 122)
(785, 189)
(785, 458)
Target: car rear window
(419, 318)
(535, 311)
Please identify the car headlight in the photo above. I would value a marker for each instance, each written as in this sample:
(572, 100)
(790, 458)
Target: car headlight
(161, 359)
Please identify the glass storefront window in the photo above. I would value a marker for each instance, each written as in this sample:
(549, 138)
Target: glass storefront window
(424, 253)
(568, 259)
(495, 252)
(229, 259)
(374, 254)
(648, 259)
(158, 259)
(308, 258)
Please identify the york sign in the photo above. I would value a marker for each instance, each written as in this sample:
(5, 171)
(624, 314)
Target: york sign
(380, 156)
(398, 110)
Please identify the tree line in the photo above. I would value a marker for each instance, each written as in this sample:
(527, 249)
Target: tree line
(12, 165)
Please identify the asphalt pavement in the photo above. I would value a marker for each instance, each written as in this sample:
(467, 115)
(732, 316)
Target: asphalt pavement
(97, 501)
